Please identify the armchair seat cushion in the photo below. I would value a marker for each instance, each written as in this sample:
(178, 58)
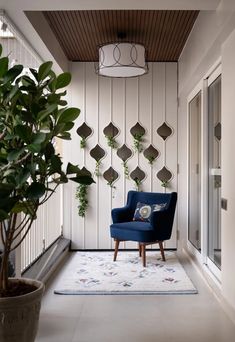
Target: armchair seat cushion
(134, 231)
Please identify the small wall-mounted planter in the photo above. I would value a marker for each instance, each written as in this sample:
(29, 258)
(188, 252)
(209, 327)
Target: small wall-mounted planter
(110, 176)
(98, 154)
(137, 175)
(84, 131)
(110, 132)
(138, 132)
(151, 154)
(125, 153)
(164, 131)
(164, 175)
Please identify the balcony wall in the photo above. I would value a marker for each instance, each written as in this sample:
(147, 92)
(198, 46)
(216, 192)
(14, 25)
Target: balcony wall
(150, 100)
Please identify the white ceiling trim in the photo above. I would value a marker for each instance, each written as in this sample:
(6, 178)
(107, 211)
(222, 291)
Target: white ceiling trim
(30, 5)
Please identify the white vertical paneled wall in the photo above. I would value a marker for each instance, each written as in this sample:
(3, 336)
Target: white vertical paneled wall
(149, 100)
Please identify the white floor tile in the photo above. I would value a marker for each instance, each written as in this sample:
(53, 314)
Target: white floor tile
(168, 318)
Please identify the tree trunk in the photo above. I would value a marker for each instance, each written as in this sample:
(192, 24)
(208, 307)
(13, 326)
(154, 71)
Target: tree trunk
(4, 271)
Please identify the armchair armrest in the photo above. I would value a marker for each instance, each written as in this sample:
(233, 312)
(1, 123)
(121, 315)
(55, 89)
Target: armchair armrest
(162, 222)
(123, 214)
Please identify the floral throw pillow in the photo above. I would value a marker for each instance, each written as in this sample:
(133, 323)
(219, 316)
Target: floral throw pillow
(143, 211)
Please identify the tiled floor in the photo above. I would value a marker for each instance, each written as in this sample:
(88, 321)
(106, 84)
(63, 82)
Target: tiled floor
(173, 318)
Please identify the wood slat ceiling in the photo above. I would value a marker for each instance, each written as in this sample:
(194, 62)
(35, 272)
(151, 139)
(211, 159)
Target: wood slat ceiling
(163, 33)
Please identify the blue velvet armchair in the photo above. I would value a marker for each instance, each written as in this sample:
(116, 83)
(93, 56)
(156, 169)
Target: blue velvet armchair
(156, 230)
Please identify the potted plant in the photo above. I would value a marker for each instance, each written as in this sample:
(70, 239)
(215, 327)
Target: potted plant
(32, 115)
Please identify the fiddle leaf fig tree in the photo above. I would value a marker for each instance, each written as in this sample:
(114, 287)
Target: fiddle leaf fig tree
(33, 114)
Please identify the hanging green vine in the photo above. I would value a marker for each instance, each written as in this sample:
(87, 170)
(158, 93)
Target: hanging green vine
(137, 183)
(82, 197)
(97, 168)
(165, 184)
(150, 159)
(126, 169)
(82, 142)
(111, 141)
(138, 140)
(110, 183)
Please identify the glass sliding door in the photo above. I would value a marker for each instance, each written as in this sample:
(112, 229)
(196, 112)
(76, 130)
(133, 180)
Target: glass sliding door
(214, 162)
(194, 217)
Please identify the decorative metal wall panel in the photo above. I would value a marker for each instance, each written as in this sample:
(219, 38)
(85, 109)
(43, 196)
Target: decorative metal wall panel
(124, 153)
(137, 130)
(110, 175)
(151, 153)
(164, 175)
(111, 130)
(84, 131)
(138, 174)
(97, 153)
(164, 131)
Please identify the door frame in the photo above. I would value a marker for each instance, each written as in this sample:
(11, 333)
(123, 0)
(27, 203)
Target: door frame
(202, 86)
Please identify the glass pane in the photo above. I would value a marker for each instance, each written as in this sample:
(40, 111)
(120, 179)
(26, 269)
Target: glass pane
(194, 226)
(214, 234)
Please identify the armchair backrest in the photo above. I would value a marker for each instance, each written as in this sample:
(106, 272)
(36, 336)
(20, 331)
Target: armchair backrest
(134, 197)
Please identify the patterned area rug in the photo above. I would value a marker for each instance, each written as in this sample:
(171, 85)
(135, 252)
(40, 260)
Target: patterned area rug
(94, 273)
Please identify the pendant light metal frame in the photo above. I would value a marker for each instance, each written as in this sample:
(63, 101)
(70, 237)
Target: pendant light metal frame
(119, 66)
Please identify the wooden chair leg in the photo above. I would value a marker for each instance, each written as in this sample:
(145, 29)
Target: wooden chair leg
(143, 253)
(139, 250)
(116, 250)
(162, 250)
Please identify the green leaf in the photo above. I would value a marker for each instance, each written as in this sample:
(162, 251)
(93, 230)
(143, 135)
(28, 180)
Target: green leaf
(39, 138)
(12, 73)
(81, 179)
(52, 81)
(26, 207)
(0, 49)
(24, 132)
(23, 177)
(42, 164)
(3, 215)
(63, 128)
(35, 191)
(6, 189)
(71, 169)
(69, 115)
(44, 70)
(12, 93)
(49, 151)
(28, 82)
(68, 126)
(65, 136)
(62, 103)
(34, 148)
(56, 163)
(8, 172)
(3, 66)
(32, 168)
(14, 155)
(8, 203)
(63, 80)
(44, 113)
